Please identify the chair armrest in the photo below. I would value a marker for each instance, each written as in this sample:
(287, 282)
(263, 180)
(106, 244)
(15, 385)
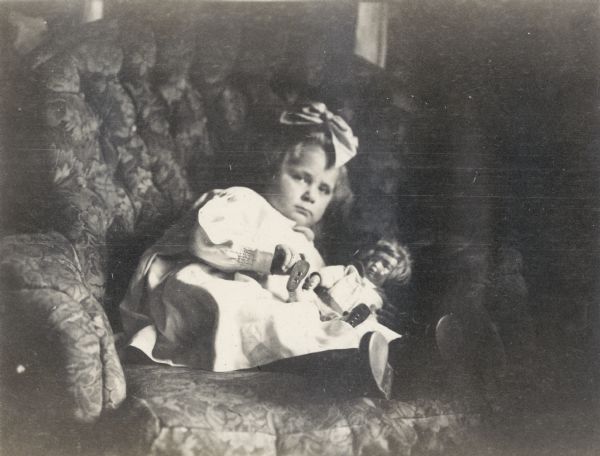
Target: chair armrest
(58, 353)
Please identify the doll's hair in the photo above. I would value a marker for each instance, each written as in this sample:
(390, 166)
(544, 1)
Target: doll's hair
(401, 274)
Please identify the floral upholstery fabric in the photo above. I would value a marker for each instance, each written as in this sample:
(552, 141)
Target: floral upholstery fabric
(53, 324)
(151, 116)
(197, 412)
(100, 185)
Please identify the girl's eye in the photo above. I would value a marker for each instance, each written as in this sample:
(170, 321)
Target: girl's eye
(325, 189)
(296, 176)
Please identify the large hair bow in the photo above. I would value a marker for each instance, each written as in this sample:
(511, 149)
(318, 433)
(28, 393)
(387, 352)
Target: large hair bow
(345, 143)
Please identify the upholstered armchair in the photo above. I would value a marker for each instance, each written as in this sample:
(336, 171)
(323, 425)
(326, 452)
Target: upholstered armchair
(110, 143)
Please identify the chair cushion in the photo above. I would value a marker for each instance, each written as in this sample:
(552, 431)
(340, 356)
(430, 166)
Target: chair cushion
(188, 411)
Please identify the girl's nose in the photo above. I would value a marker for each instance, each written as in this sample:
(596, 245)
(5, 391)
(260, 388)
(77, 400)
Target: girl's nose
(308, 196)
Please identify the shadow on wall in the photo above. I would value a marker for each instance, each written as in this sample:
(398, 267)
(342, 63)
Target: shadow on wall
(505, 141)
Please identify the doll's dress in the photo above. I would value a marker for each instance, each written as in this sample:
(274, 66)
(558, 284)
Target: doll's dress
(342, 289)
(346, 288)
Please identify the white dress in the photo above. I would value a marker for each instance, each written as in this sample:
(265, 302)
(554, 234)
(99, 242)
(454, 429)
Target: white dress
(197, 299)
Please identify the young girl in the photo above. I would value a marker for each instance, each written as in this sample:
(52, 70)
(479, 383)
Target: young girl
(209, 295)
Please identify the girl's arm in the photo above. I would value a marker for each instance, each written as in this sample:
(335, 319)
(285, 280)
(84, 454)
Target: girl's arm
(226, 232)
(230, 256)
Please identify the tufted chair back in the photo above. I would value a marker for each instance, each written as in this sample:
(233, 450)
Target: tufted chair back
(117, 134)
(109, 145)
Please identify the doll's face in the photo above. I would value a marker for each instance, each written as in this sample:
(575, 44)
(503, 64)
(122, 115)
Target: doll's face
(304, 186)
(379, 266)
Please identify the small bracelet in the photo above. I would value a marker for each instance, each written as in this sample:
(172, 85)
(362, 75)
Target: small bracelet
(254, 260)
(246, 258)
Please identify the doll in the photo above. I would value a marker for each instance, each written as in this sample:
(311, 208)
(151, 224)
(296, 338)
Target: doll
(354, 292)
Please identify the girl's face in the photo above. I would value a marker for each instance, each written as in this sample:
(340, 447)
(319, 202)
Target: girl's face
(304, 187)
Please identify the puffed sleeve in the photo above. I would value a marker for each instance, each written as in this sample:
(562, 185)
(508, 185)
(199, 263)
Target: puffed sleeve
(225, 235)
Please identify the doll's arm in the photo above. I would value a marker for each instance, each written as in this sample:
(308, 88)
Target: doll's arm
(338, 287)
(330, 275)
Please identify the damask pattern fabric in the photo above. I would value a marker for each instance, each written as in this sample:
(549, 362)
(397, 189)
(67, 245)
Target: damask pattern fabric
(100, 184)
(255, 412)
(152, 121)
(185, 111)
(91, 144)
(58, 328)
(98, 181)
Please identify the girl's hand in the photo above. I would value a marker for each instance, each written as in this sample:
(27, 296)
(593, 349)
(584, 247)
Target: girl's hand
(284, 259)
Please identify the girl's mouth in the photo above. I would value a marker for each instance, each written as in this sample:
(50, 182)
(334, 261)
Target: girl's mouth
(303, 211)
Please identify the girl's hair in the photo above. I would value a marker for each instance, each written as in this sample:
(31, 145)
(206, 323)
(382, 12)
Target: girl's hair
(289, 141)
(402, 272)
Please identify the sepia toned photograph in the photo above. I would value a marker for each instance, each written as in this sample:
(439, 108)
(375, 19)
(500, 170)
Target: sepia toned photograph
(298, 228)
